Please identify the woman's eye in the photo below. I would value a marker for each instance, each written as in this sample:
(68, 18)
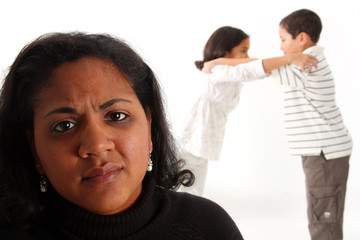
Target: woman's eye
(64, 126)
(117, 116)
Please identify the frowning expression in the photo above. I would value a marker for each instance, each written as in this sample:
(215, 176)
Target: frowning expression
(92, 138)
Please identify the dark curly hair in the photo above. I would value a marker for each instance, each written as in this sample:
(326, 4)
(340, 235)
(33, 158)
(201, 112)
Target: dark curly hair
(20, 198)
(220, 42)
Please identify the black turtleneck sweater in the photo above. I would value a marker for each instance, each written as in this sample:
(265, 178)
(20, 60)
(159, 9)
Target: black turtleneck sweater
(158, 214)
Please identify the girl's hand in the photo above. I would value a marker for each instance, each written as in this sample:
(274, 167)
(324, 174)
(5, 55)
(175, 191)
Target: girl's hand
(305, 61)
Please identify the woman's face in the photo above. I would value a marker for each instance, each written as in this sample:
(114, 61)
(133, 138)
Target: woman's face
(240, 51)
(91, 136)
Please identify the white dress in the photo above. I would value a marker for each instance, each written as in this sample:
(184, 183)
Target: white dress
(204, 131)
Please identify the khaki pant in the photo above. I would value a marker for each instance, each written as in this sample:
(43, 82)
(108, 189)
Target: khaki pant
(325, 190)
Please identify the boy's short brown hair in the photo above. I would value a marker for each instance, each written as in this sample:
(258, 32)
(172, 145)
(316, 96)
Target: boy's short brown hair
(303, 20)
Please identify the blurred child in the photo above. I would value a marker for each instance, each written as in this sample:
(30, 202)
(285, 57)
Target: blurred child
(314, 125)
(315, 129)
(204, 131)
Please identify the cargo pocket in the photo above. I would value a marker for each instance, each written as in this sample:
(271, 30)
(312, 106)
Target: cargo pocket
(324, 204)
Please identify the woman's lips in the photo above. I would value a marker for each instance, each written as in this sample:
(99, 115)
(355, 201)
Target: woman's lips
(104, 174)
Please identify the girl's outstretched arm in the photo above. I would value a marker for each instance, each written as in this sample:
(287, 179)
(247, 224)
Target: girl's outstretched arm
(269, 64)
(302, 60)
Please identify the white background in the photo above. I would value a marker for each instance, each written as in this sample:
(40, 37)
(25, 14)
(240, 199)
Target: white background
(256, 180)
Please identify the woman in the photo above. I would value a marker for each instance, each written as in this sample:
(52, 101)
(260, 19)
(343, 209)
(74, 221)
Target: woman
(83, 116)
(203, 135)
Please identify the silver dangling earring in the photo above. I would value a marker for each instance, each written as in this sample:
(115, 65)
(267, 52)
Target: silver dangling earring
(43, 184)
(150, 164)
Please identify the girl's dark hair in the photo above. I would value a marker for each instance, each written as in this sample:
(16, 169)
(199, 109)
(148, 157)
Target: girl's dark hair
(20, 198)
(303, 20)
(220, 42)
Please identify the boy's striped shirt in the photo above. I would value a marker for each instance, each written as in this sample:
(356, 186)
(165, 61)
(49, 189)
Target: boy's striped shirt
(313, 121)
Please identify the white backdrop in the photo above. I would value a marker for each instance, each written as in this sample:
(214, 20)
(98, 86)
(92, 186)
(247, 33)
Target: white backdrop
(256, 180)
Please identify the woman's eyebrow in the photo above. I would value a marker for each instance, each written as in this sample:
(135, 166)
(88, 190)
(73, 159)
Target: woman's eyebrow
(61, 110)
(112, 101)
(73, 110)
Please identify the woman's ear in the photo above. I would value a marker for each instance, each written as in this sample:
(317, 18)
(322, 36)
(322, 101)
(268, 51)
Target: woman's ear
(31, 142)
(148, 116)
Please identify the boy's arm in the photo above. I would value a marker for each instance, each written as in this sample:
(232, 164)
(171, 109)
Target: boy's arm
(225, 61)
(269, 64)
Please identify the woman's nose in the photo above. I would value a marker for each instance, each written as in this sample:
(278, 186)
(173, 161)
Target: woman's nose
(95, 140)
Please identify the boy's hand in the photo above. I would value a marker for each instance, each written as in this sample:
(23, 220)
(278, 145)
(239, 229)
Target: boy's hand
(210, 64)
(304, 61)
(207, 67)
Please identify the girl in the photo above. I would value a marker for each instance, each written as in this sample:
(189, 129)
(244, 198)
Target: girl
(204, 131)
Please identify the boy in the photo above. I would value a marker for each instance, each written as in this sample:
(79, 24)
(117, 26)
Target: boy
(314, 126)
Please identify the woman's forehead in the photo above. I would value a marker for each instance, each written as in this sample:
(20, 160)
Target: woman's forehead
(86, 78)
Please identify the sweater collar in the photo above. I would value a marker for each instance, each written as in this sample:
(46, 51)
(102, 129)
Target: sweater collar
(71, 220)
